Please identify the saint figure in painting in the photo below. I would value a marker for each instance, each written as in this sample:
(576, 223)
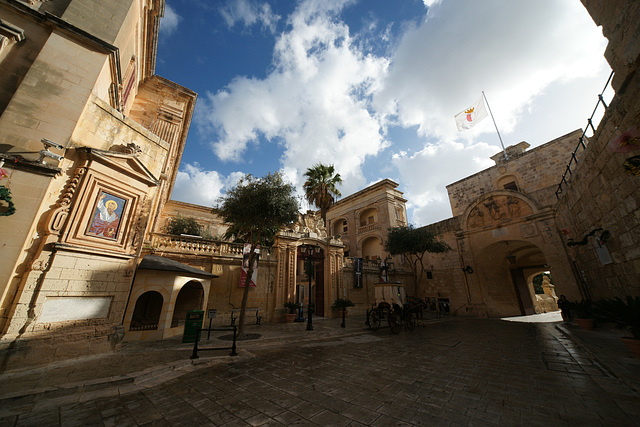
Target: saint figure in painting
(106, 221)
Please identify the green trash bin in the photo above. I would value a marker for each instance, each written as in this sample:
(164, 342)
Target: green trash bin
(192, 324)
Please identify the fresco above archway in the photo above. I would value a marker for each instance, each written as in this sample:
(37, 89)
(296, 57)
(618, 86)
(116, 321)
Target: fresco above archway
(497, 209)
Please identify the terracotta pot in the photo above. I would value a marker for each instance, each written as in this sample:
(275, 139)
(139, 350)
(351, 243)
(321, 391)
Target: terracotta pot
(346, 313)
(586, 324)
(290, 317)
(633, 345)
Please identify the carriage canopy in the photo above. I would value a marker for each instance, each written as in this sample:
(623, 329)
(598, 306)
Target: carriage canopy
(390, 292)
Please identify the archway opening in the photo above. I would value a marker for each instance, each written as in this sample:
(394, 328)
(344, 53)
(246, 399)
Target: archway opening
(190, 297)
(506, 269)
(372, 248)
(146, 313)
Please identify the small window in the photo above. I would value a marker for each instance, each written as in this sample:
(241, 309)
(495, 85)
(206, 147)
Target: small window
(371, 219)
(511, 186)
(345, 228)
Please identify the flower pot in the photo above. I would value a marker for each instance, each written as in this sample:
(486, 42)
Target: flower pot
(633, 345)
(290, 317)
(346, 313)
(586, 324)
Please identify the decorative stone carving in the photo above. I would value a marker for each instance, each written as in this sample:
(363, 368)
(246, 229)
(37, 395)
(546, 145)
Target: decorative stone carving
(496, 210)
(310, 223)
(130, 148)
(60, 214)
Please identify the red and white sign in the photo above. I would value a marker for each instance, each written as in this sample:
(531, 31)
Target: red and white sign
(245, 266)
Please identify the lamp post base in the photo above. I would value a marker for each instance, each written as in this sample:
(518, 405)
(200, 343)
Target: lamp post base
(310, 320)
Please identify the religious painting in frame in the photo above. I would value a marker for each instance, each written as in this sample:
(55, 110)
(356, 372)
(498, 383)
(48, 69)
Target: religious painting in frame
(105, 220)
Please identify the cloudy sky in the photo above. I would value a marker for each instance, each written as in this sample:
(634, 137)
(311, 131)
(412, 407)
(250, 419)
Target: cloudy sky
(372, 86)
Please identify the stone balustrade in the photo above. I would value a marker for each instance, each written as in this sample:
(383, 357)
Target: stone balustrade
(197, 245)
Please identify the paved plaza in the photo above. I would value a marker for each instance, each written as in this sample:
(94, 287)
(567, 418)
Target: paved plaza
(453, 372)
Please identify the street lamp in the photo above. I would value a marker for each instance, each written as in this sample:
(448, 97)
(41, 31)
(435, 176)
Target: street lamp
(309, 269)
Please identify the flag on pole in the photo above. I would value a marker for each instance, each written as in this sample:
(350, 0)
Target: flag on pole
(468, 118)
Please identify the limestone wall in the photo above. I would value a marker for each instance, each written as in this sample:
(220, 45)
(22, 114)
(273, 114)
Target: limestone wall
(535, 172)
(601, 196)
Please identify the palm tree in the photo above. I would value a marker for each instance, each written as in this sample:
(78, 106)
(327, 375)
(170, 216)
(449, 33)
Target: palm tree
(320, 187)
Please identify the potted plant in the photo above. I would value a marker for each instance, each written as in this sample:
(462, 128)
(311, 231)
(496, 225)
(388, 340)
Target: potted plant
(584, 314)
(625, 313)
(342, 304)
(292, 307)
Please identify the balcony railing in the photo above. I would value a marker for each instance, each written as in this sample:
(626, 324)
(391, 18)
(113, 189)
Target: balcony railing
(172, 243)
(370, 227)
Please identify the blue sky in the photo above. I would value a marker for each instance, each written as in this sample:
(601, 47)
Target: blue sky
(371, 86)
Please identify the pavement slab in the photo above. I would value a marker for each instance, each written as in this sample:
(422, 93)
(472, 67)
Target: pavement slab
(451, 372)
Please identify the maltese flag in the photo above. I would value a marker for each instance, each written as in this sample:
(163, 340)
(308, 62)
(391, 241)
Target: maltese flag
(468, 118)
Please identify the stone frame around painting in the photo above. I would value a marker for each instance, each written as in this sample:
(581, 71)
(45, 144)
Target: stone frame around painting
(96, 185)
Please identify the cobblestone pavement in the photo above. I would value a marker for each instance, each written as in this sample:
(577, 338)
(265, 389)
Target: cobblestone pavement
(459, 372)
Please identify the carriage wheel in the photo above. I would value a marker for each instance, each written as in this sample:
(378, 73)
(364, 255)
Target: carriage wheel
(374, 320)
(394, 323)
(410, 321)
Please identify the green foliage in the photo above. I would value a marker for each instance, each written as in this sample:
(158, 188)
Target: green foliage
(342, 303)
(537, 282)
(321, 187)
(183, 225)
(622, 312)
(414, 243)
(256, 209)
(292, 306)
(408, 240)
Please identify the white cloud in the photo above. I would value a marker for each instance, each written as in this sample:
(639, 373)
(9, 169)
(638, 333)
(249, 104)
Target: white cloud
(197, 186)
(327, 100)
(169, 23)
(249, 13)
(511, 50)
(315, 103)
(426, 174)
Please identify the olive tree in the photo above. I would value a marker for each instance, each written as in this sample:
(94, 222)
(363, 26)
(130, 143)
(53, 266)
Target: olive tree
(255, 209)
(414, 243)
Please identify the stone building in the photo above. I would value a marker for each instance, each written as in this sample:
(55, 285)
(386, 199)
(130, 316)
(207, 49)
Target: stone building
(91, 139)
(503, 234)
(599, 203)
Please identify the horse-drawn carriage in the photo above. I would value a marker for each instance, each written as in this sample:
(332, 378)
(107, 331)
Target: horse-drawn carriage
(393, 306)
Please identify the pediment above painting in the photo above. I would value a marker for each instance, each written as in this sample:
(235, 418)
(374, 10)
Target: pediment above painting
(126, 163)
(496, 209)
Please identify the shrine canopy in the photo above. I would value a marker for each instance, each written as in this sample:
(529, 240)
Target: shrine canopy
(390, 292)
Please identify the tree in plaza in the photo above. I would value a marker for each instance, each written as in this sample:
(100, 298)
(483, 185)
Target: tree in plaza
(183, 225)
(256, 208)
(413, 243)
(320, 187)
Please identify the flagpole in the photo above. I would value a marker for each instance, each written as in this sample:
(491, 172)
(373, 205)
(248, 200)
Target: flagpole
(494, 123)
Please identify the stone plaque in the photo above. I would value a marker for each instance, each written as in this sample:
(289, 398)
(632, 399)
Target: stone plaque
(60, 309)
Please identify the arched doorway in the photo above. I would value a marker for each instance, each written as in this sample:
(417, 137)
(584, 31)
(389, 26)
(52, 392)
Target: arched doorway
(505, 269)
(190, 297)
(146, 313)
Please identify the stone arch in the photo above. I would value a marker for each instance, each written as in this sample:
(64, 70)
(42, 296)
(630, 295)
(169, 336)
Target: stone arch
(372, 247)
(147, 311)
(339, 226)
(190, 297)
(496, 208)
(504, 270)
(368, 216)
